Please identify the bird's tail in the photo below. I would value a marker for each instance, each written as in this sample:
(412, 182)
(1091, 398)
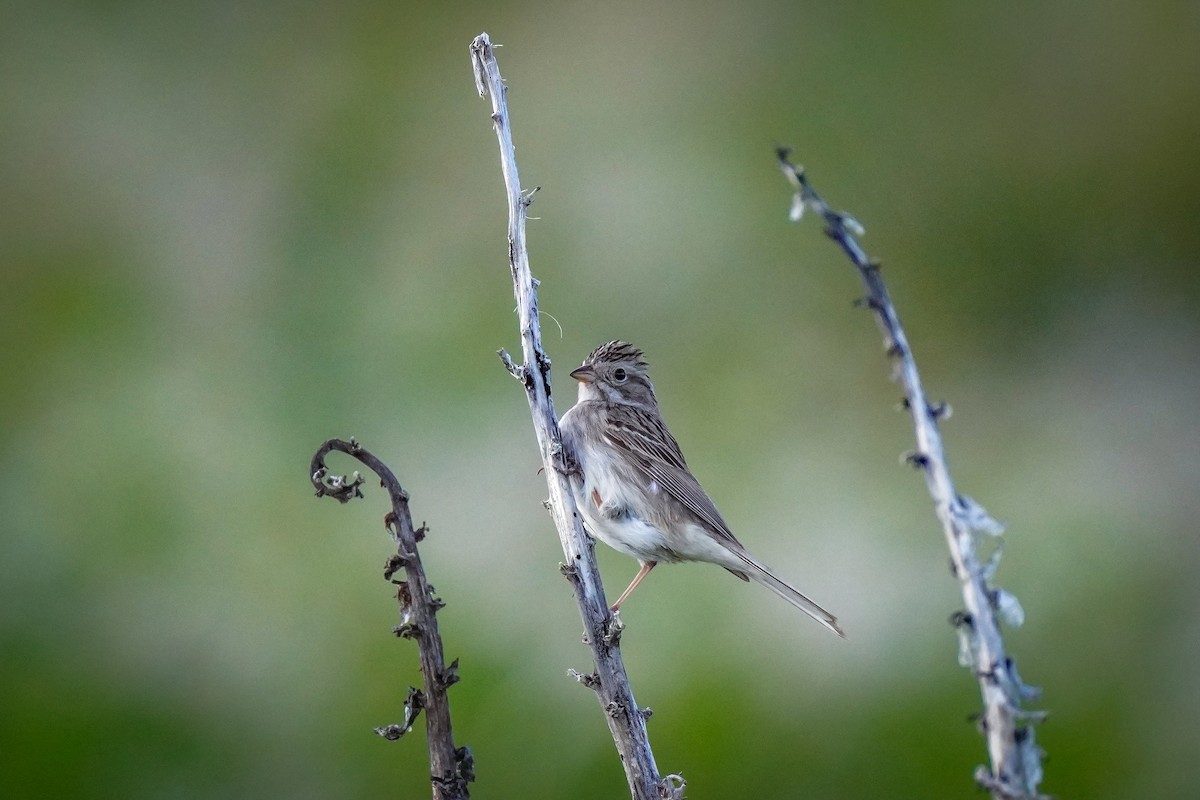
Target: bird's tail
(759, 573)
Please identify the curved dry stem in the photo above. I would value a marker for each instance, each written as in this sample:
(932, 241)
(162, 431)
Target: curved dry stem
(451, 768)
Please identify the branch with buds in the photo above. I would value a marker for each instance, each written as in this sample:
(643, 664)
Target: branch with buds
(451, 768)
(1016, 760)
(626, 721)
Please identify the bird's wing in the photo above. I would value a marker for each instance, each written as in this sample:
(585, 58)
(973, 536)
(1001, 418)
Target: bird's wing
(656, 454)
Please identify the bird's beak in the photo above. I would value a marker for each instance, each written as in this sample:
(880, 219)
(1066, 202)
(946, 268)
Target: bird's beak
(584, 374)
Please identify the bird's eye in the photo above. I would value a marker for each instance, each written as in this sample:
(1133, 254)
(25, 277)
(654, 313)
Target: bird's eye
(619, 375)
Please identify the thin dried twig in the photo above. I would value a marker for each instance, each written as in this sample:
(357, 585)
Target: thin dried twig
(626, 722)
(451, 768)
(1016, 768)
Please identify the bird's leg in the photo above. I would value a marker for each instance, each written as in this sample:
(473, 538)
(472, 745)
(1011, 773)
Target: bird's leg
(568, 465)
(609, 510)
(643, 572)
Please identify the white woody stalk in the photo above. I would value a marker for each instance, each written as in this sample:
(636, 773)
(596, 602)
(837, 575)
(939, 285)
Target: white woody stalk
(626, 722)
(1016, 768)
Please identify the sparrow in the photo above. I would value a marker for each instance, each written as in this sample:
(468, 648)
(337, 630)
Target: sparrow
(634, 488)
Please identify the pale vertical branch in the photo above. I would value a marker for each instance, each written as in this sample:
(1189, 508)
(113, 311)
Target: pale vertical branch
(626, 722)
(1015, 770)
(451, 768)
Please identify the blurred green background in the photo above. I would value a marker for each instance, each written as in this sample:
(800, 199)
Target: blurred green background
(230, 231)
